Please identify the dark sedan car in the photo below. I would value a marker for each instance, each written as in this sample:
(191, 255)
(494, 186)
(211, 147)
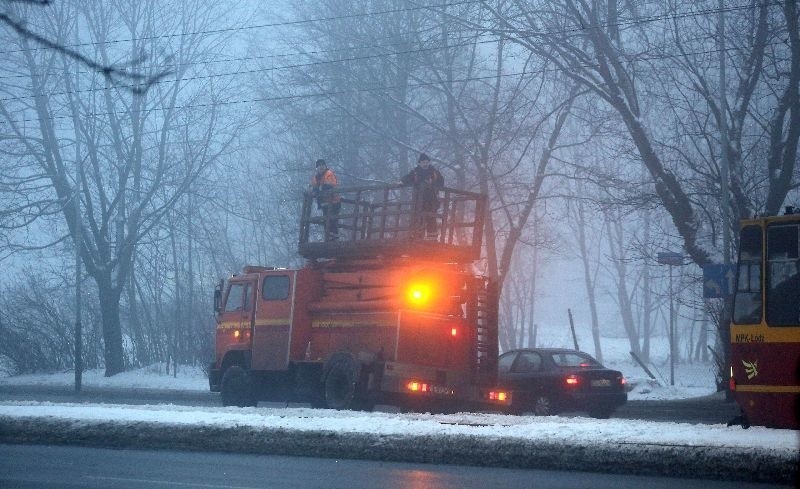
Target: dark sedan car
(547, 381)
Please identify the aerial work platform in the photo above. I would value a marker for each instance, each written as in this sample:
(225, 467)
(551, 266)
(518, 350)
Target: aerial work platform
(389, 220)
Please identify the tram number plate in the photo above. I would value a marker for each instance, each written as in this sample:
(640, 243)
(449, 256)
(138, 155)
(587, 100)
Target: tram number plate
(601, 383)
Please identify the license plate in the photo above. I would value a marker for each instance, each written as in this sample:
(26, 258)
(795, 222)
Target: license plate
(601, 383)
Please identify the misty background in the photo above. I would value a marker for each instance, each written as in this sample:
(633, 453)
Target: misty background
(597, 128)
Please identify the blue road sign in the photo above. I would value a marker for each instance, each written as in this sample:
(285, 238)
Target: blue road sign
(718, 281)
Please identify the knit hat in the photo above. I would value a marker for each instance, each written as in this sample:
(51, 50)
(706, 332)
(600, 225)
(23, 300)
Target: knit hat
(423, 157)
(320, 162)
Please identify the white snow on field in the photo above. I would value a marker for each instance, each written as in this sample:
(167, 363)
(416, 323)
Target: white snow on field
(153, 377)
(691, 380)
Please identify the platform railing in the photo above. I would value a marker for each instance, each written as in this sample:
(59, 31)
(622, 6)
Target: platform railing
(392, 219)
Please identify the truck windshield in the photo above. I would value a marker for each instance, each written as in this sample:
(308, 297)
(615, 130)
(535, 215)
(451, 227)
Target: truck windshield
(234, 300)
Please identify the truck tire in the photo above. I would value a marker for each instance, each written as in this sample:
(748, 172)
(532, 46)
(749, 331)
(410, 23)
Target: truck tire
(237, 388)
(340, 387)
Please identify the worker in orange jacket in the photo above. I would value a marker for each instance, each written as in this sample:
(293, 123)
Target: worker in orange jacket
(323, 186)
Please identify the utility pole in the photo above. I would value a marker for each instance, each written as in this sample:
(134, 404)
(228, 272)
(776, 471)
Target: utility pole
(78, 241)
(725, 182)
(671, 332)
(671, 259)
(723, 128)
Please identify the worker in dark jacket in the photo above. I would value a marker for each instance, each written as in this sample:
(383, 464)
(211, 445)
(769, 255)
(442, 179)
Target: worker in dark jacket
(323, 186)
(426, 181)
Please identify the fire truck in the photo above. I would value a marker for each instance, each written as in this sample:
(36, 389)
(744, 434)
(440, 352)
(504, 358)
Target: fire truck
(383, 314)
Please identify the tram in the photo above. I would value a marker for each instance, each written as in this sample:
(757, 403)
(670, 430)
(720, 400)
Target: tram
(765, 326)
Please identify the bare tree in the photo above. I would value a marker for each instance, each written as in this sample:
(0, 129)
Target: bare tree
(590, 264)
(110, 153)
(611, 59)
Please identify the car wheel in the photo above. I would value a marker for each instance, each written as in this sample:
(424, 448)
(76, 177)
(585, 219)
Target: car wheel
(543, 406)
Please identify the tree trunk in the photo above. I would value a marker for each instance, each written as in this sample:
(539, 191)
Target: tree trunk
(588, 280)
(112, 329)
(532, 302)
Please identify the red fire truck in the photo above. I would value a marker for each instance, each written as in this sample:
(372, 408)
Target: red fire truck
(380, 315)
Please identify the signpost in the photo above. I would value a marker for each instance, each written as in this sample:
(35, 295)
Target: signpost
(672, 259)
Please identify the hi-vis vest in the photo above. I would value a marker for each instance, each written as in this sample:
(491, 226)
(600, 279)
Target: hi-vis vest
(326, 182)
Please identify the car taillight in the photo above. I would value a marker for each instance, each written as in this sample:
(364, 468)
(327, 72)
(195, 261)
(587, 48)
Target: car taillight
(572, 380)
(498, 396)
(415, 386)
(732, 381)
(622, 380)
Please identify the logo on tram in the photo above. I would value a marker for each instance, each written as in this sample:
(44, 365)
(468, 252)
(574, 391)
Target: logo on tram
(750, 368)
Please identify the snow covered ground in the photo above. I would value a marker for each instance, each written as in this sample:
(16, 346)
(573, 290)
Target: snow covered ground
(561, 429)
(643, 439)
(691, 380)
(552, 428)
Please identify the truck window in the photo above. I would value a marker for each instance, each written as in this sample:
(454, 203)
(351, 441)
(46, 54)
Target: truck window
(275, 288)
(248, 294)
(234, 299)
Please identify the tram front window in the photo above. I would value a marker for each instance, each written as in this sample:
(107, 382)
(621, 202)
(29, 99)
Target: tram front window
(783, 262)
(747, 301)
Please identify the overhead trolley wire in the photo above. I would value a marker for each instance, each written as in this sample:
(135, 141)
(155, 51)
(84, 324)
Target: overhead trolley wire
(372, 56)
(631, 21)
(257, 26)
(280, 98)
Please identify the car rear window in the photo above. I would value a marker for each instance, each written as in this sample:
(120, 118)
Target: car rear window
(574, 360)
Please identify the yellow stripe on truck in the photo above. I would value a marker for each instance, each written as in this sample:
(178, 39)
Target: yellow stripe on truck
(352, 324)
(273, 322)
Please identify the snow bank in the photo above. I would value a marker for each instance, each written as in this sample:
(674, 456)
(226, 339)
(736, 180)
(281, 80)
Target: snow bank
(711, 451)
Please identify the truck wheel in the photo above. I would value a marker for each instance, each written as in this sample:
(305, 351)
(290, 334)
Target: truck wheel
(340, 383)
(237, 388)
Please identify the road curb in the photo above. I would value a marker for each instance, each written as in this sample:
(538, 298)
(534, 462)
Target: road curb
(736, 464)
